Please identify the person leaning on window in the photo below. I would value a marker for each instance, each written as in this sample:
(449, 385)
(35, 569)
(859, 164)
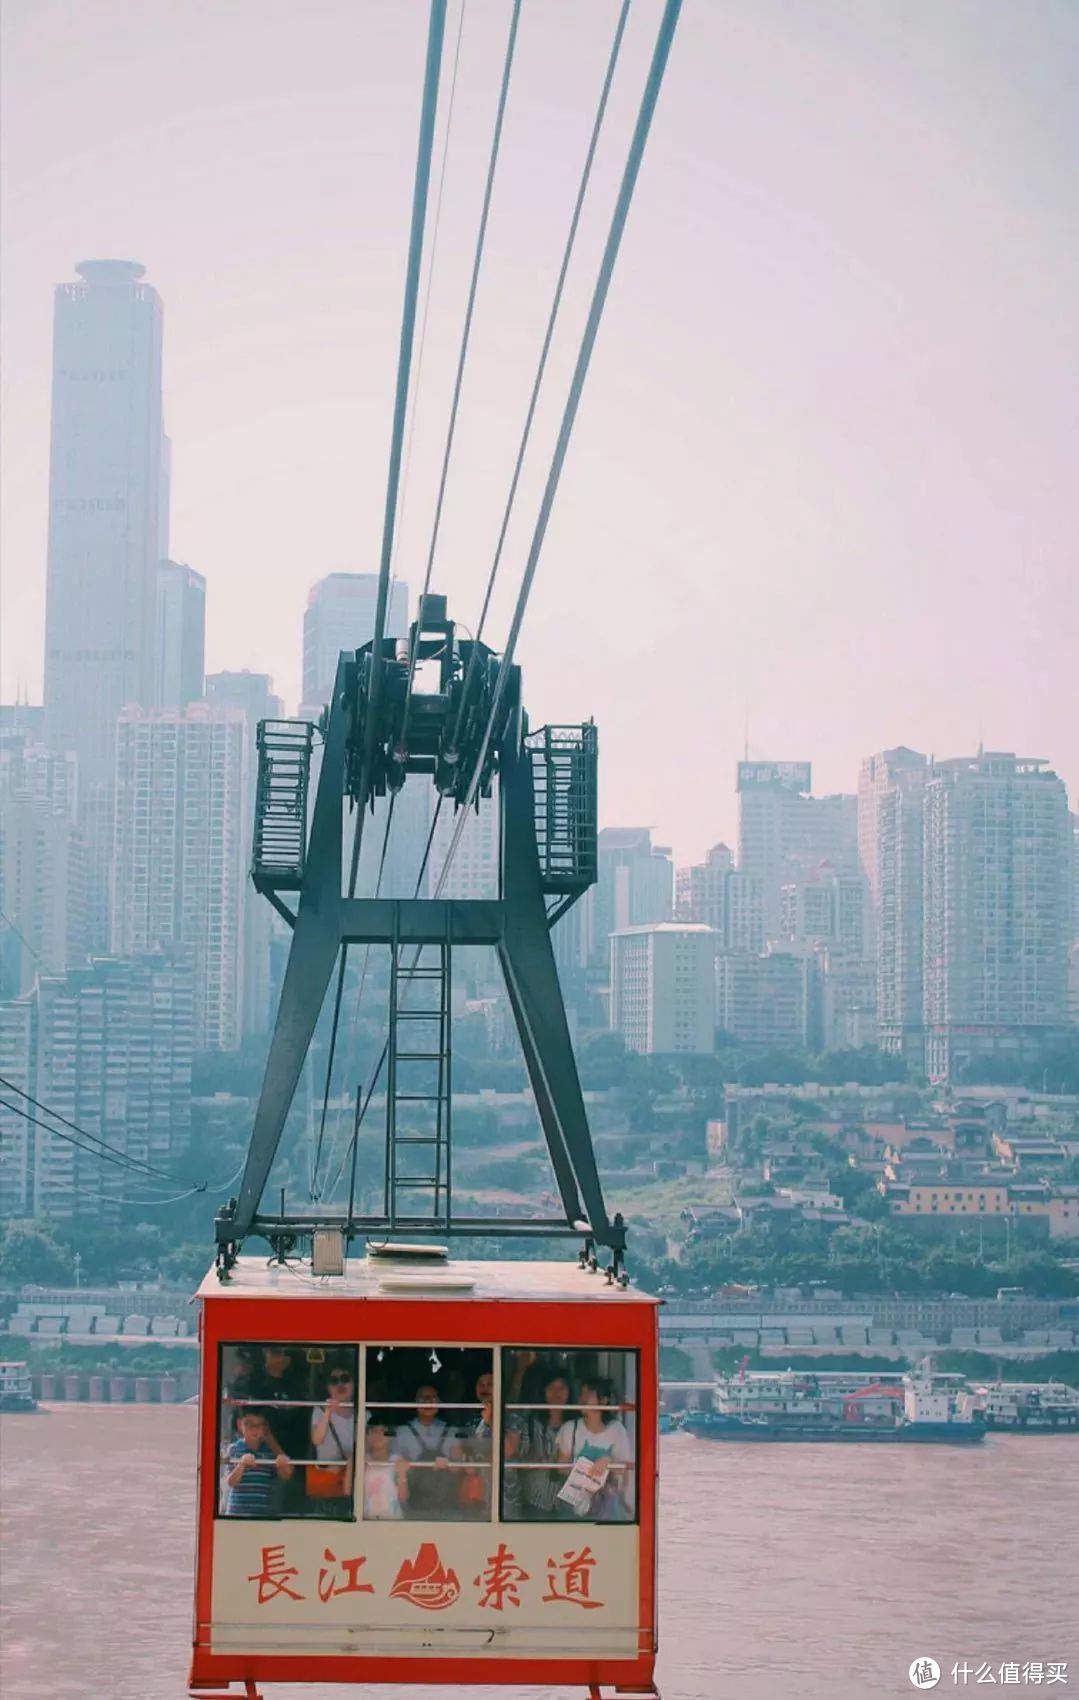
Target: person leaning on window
(254, 1469)
(427, 1447)
(600, 1435)
(333, 1435)
(538, 1442)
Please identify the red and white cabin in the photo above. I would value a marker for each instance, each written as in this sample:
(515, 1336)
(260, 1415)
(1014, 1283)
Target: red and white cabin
(426, 1472)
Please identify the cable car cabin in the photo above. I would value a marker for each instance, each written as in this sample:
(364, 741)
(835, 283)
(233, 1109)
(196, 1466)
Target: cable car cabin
(424, 1471)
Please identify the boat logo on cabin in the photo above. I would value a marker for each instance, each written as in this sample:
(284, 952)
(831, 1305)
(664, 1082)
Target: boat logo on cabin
(425, 1581)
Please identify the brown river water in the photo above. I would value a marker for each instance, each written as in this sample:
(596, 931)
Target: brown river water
(804, 1572)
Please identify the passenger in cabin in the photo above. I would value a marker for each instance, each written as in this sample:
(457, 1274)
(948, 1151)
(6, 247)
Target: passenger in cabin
(333, 1437)
(240, 1383)
(254, 1469)
(278, 1389)
(598, 1437)
(427, 1446)
(539, 1443)
(475, 1489)
(385, 1478)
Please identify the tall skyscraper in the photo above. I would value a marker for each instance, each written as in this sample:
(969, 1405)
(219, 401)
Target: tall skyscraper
(891, 829)
(180, 852)
(179, 635)
(105, 527)
(108, 1047)
(998, 845)
(783, 830)
(253, 694)
(340, 614)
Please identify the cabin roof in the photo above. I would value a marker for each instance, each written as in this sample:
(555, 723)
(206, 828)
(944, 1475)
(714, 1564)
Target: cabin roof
(403, 1279)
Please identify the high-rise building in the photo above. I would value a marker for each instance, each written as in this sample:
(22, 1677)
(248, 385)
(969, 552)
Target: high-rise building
(998, 843)
(25, 718)
(43, 916)
(761, 1000)
(180, 852)
(179, 635)
(824, 906)
(108, 1047)
(715, 894)
(744, 922)
(635, 887)
(474, 871)
(891, 829)
(783, 830)
(340, 614)
(16, 1133)
(105, 491)
(253, 694)
(663, 987)
(845, 985)
(700, 891)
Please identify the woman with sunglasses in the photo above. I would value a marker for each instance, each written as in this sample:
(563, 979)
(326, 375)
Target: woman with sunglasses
(333, 1435)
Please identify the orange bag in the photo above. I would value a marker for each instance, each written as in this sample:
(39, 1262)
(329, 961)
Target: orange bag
(325, 1482)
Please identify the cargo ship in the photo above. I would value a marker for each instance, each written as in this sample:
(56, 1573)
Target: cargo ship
(1039, 1407)
(917, 1408)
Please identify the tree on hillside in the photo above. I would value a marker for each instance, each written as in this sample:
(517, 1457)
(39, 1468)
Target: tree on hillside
(29, 1254)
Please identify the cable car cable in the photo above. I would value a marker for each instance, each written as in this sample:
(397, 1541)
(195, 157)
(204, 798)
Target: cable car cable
(650, 95)
(541, 368)
(436, 225)
(462, 353)
(130, 1166)
(133, 1163)
(451, 431)
(177, 1198)
(646, 110)
(425, 146)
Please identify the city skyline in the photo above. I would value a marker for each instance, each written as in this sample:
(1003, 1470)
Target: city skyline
(892, 543)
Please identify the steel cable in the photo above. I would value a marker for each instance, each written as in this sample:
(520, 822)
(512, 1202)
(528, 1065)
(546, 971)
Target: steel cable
(425, 147)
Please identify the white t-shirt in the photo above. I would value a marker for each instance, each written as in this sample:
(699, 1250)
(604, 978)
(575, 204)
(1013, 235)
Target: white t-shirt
(611, 1440)
(344, 1424)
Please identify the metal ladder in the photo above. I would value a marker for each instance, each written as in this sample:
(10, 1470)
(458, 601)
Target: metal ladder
(418, 1086)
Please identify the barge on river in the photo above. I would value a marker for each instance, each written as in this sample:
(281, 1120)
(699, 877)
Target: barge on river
(1039, 1407)
(917, 1408)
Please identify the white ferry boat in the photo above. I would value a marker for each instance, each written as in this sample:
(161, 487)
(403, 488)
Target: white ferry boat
(16, 1388)
(1042, 1406)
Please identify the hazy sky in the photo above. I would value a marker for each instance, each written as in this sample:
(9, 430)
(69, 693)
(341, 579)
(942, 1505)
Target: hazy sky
(825, 472)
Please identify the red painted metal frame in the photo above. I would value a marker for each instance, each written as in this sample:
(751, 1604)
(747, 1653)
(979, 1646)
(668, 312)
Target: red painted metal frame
(424, 1322)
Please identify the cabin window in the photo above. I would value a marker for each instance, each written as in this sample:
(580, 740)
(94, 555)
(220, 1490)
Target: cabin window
(569, 1425)
(429, 1433)
(287, 1430)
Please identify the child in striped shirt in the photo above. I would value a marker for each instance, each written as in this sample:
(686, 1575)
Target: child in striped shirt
(254, 1468)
